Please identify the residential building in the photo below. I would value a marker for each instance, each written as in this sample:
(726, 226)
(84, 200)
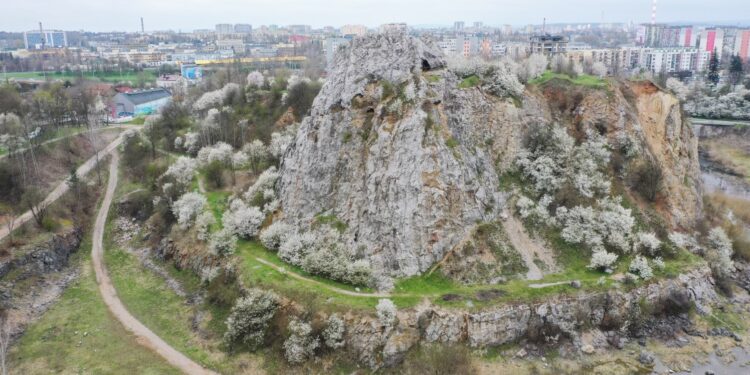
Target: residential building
(712, 40)
(741, 46)
(139, 103)
(39, 39)
(224, 28)
(398, 26)
(354, 30)
(458, 26)
(235, 45)
(243, 28)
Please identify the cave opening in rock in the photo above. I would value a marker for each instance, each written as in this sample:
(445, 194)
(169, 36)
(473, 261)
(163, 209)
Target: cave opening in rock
(425, 65)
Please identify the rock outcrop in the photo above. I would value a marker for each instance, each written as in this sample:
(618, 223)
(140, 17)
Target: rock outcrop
(410, 160)
(618, 314)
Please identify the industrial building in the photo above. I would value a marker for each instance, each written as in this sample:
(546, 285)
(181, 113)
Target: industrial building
(45, 39)
(140, 103)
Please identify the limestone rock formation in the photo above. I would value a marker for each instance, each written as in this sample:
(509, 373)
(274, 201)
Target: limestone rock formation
(410, 161)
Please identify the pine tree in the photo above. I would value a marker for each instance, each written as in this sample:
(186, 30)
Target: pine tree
(713, 68)
(735, 69)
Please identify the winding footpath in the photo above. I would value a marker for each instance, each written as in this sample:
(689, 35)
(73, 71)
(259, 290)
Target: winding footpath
(144, 336)
(62, 187)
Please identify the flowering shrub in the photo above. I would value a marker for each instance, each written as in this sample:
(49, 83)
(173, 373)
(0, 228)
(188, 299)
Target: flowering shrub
(255, 79)
(275, 234)
(222, 243)
(182, 170)
(607, 224)
(333, 334)
(602, 260)
(640, 266)
(216, 98)
(301, 344)
(220, 152)
(262, 191)
(386, 312)
(721, 247)
(679, 89)
(532, 67)
(188, 207)
(733, 105)
(648, 243)
(203, 224)
(242, 220)
(249, 319)
(296, 247)
(256, 152)
(279, 143)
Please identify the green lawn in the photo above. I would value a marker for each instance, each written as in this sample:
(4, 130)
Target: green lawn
(470, 81)
(148, 297)
(581, 80)
(126, 76)
(79, 335)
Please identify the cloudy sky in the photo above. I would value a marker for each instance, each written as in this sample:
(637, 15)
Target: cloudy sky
(123, 15)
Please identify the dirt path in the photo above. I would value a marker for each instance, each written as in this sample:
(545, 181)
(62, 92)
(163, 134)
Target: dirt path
(53, 140)
(326, 286)
(62, 187)
(144, 336)
(528, 248)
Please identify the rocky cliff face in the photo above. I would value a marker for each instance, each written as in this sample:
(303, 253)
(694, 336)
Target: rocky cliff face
(650, 311)
(411, 162)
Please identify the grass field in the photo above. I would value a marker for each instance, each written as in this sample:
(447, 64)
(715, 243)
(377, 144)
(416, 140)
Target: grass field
(128, 76)
(581, 80)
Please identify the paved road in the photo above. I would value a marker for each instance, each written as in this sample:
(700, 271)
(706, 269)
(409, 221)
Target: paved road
(62, 187)
(709, 122)
(144, 336)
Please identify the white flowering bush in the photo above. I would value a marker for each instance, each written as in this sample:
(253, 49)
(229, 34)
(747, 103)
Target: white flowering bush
(188, 207)
(242, 220)
(679, 89)
(275, 234)
(721, 247)
(602, 260)
(255, 79)
(222, 243)
(732, 105)
(685, 241)
(639, 265)
(648, 243)
(240, 160)
(203, 224)
(216, 98)
(256, 152)
(279, 143)
(598, 69)
(658, 263)
(192, 143)
(250, 317)
(296, 247)
(532, 67)
(333, 334)
(262, 191)
(220, 152)
(607, 224)
(386, 311)
(501, 80)
(182, 170)
(536, 212)
(301, 344)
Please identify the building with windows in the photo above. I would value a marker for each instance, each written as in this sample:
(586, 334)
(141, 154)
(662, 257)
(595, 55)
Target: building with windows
(224, 28)
(548, 45)
(45, 39)
(140, 103)
(354, 30)
(712, 40)
(742, 45)
(243, 28)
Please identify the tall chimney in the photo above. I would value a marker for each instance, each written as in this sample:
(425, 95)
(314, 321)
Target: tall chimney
(41, 32)
(143, 30)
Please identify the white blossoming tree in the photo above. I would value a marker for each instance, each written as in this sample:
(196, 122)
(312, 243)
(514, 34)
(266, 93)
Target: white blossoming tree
(188, 207)
(301, 344)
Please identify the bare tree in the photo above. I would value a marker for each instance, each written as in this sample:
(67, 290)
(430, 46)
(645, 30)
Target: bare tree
(93, 122)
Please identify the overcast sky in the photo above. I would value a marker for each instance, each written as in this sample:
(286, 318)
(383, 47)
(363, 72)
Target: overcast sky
(186, 15)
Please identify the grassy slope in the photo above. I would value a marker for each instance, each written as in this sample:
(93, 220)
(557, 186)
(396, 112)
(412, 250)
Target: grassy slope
(56, 343)
(582, 80)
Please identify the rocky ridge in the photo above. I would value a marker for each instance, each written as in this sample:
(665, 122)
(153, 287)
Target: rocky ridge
(411, 161)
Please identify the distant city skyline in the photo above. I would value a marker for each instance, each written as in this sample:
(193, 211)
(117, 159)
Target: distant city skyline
(187, 15)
